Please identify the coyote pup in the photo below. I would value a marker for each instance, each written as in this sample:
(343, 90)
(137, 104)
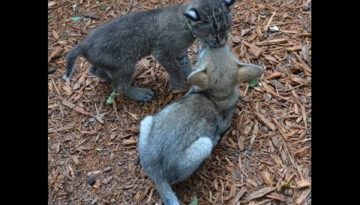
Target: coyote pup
(114, 48)
(174, 142)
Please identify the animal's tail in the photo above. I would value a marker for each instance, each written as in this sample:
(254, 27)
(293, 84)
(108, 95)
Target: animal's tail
(167, 194)
(71, 58)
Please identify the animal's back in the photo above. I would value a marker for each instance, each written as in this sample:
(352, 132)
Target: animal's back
(179, 127)
(112, 37)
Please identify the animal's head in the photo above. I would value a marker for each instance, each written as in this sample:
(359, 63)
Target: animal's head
(219, 71)
(210, 20)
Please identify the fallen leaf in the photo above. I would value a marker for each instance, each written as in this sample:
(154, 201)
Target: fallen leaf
(253, 83)
(194, 201)
(111, 98)
(75, 18)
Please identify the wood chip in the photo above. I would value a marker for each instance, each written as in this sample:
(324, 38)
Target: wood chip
(306, 53)
(75, 160)
(294, 48)
(256, 51)
(129, 142)
(241, 142)
(267, 178)
(276, 196)
(51, 4)
(257, 194)
(266, 27)
(75, 108)
(267, 122)
(55, 34)
(271, 42)
(303, 183)
(238, 196)
(302, 197)
(97, 184)
(274, 75)
(56, 53)
(107, 180)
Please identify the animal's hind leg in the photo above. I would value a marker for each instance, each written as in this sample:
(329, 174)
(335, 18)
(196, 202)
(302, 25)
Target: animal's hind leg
(193, 157)
(166, 193)
(99, 72)
(121, 82)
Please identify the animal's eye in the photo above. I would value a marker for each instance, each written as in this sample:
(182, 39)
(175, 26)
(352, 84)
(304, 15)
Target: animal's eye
(228, 3)
(193, 15)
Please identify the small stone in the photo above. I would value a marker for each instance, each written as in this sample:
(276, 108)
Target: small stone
(107, 169)
(91, 180)
(274, 29)
(236, 39)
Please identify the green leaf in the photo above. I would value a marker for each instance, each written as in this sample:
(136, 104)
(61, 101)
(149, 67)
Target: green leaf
(254, 83)
(75, 18)
(194, 201)
(111, 98)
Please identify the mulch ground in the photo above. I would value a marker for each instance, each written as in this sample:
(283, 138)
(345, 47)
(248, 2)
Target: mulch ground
(263, 159)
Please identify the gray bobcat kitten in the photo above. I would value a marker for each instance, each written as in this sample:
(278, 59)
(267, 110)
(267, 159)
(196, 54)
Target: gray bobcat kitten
(114, 48)
(174, 142)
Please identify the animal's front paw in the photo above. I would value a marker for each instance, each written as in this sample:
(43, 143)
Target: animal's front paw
(140, 94)
(179, 87)
(181, 90)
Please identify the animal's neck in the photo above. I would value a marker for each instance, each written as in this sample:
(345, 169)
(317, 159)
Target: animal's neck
(222, 102)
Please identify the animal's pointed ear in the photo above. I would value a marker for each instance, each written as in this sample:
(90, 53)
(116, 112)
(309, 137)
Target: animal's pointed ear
(248, 72)
(228, 3)
(192, 14)
(199, 77)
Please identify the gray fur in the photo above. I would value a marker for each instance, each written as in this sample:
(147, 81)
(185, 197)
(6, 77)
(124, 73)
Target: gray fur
(174, 142)
(114, 48)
